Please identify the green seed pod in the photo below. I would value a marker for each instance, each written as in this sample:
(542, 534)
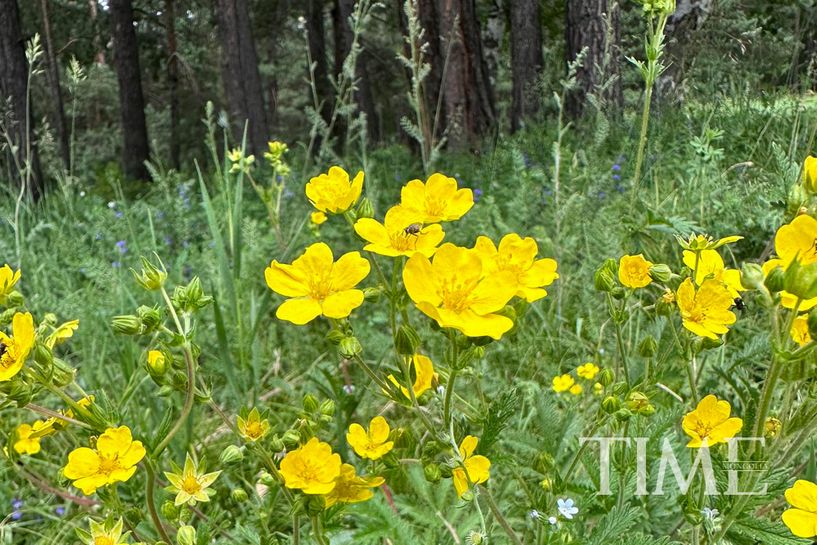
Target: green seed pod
(432, 473)
(350, 347)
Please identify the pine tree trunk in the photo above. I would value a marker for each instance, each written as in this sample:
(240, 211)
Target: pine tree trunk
(14, 87)
(173, 82)
(344, 35)
(593, 26)
(434, 56)
(131, 101)
(526, 60)
(53, 75)
(242, 81)
(468, 95)
(100, 51)
(317, 50)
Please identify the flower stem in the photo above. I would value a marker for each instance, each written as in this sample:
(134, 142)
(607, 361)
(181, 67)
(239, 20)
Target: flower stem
(317, 531)
(449, 394)
(151, 503)
(372, 375)
(499, 517)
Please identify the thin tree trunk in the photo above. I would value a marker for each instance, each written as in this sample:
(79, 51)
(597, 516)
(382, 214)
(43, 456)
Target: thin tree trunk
(593, 26)
(100, 51)
(53, 74)
(14, 87)
(131, 101)
(527, 60)
(242, 80)
(317, 50)
(435, 56)
(344, 35)
(469, 101)
(173, 82)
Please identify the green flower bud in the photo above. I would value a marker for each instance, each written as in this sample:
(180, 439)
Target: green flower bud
(231, 455)
(191, 298)
(365, 209)
(314, 506)
(620, 293)
(751, 276)
(49, 319)
(622, 415)
(372, 294)
(604, 280)
(798, 196)
(665, 305)
(648, 347)
(335, 336)
(775, 280)
(127, 324)
(349, 347)
(310, 404)
(43, 355)
(186, 535)
(151, 278)
(801, 280)
(239, 495)
(610, 404)
(432, 472)
(544, 462)
(661, 273)
(607, 377)
(406, 340)
(266, 479)
(327, 408)
(291, 438)
(14, 299)
(151, 318)
(170, 511)
(277, 444)
(620, 388)
(62, 373)
(20, 392)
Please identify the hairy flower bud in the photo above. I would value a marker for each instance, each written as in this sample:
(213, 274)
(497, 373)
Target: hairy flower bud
(191, 298)
(231, 455)
(327, 408)
(775, 280)
(310, 403)
(151, 277)
(239, 495)
(350, 347)
(604, 279)
(365, 209)
(406, 340)
(432, 472)
(801, 280)
(607, 377)
(661, 273)
(610, 404)
(127, 324)
(751, 276)
(648, 347)
(151, 318)
(186, 535)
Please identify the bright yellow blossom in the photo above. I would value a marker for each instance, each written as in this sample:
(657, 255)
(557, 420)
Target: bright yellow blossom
(333, 192)
(29, 435)
(710, 265)
(705, 312)
(788, 300)
(634, 271)
(801, 517)
(62, 333)
(113, 460)
(563, 383)
(317, 285)
(424, 376)
(710, 424)
(810, 173)
(576, 389)
(705, 242)
(588, 370)
(15, 349)
(401, 233)
(372, 443)
(452, 289)
(517, 256)
(799, 330)
(253, 427)
(795, 240)
(436, 200)
(477, 467)
(8, 278)
(317, 218)
(105, 533)
(351, 488)
(190, 484)
(313, 468)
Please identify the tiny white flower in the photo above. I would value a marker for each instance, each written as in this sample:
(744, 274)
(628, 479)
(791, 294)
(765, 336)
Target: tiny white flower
(111, 204)
(82, 193)
(476, 538)
(349, 389)
(534, 514)
(441, 390)
(552, 521)
(710, 513)
(566, 508)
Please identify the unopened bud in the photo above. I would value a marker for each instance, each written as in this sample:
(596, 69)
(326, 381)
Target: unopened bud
(291, 438)
(661, 273)
(604, 279)
(365, 209)
(151, 277)
(607, 377)
(231, 455)
(349, 347)
(775, 280)
(239, 495)
(191, 298)
(151, 318)
(801, 280)
(170, 511)
(186, 535)
(751, 276)
(432, 472)
(310, 403)
(127, 324)
(157, 363)
(648, 347)
(406, 340)
(327, 408)
(610, 404)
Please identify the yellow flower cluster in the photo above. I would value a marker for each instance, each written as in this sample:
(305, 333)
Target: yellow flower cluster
(566, 382)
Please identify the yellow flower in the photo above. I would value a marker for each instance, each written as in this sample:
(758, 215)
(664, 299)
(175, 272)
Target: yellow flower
(312, 468)
(8, 278)
(563, 383)
(106, 533)
(351, 488)
(576, 389)
(705, 312)
(634, 271)
(705, 242)
(452, 290)
(801, 518)
(317, 285)
(62, 333)
(517, 256)
(810, 173)
(317, 218)
(372, 443)
(333, 192)
(113, 460)
(424, 376)
(15, 349)
(29, 435)
(588, 371)
(401, 233)
(787, 299)
(799, 330)
(709, 424)
(436, 200)
(477, 468)
(190, 484)
(710, 265)
(253, 427)
(240, 163)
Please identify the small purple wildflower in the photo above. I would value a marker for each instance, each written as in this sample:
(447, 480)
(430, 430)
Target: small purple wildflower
(602, 195)
(116, 264)
(122, 246)
(477, 194)
(59, 511)
(16, 504)
(119, 214)
(616, 177)
(616, 167)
